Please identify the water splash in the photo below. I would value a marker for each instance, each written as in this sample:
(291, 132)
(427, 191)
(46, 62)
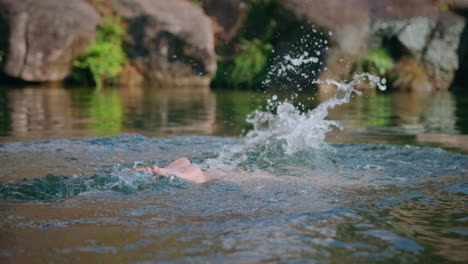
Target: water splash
(291, 64)
(298, 61)
(285, 130)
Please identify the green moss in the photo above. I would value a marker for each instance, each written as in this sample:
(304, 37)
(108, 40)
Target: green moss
(378, 62)
(105, 57)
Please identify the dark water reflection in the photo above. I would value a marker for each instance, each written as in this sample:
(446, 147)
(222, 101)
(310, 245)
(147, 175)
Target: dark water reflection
(51, 112)
(32, 113)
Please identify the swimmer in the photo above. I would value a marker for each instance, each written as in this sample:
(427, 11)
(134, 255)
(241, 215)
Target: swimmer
(181, 168)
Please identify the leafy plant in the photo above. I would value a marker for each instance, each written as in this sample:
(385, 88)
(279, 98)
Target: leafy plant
(266, 28)
(249, 66)
(105, 57)
(378, 62)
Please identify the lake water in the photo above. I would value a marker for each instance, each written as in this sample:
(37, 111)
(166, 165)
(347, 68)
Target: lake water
(391, 187)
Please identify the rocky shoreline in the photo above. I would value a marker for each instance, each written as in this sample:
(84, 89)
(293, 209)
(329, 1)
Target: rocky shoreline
(181, 42)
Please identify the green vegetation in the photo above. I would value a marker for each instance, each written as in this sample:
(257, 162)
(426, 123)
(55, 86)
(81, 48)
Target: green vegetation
(378, 62)
(105, 57)
(251, 55)
(249, 66)
(444, 7)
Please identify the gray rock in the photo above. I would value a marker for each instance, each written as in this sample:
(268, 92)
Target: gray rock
(461, 5)
(170, 42)
(40, 39)
(228, 14)
(420, 29)
(331, 14)
(416, 34)
(384, 29)
(412, 33)
(441, 57)
(348, 20)
(434, 41)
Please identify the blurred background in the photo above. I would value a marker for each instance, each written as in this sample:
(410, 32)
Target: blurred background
(157, 67)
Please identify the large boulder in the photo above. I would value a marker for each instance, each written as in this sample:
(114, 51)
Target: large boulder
(422, 31)
(347, 20)
(229, 15)
(40, 39)
(415, 27)
(170, 42)
(457, 5)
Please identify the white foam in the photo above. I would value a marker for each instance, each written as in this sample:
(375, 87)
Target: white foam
(292, 128)
(302, 130)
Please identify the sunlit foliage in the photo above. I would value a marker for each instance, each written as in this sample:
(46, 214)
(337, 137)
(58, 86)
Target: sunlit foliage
(105, 57)
(378, 62)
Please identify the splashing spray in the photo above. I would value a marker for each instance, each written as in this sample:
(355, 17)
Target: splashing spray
(289, 130)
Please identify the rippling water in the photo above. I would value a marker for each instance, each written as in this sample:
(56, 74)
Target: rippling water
(282, 193)
(35, 113)
(353, 203)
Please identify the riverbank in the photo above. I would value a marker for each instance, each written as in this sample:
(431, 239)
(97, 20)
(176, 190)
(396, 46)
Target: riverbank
(416, 45)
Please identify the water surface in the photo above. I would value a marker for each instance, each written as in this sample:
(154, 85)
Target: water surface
(32, 113)
(380, 191)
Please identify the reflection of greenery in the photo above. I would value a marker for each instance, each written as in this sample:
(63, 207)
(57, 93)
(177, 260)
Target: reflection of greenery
(105, 56)
(380, 110)
(233, 108)
(107, 109)
(377, 62)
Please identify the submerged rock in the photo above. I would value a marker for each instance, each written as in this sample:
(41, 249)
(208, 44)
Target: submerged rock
(170, 42)
(40, 39)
